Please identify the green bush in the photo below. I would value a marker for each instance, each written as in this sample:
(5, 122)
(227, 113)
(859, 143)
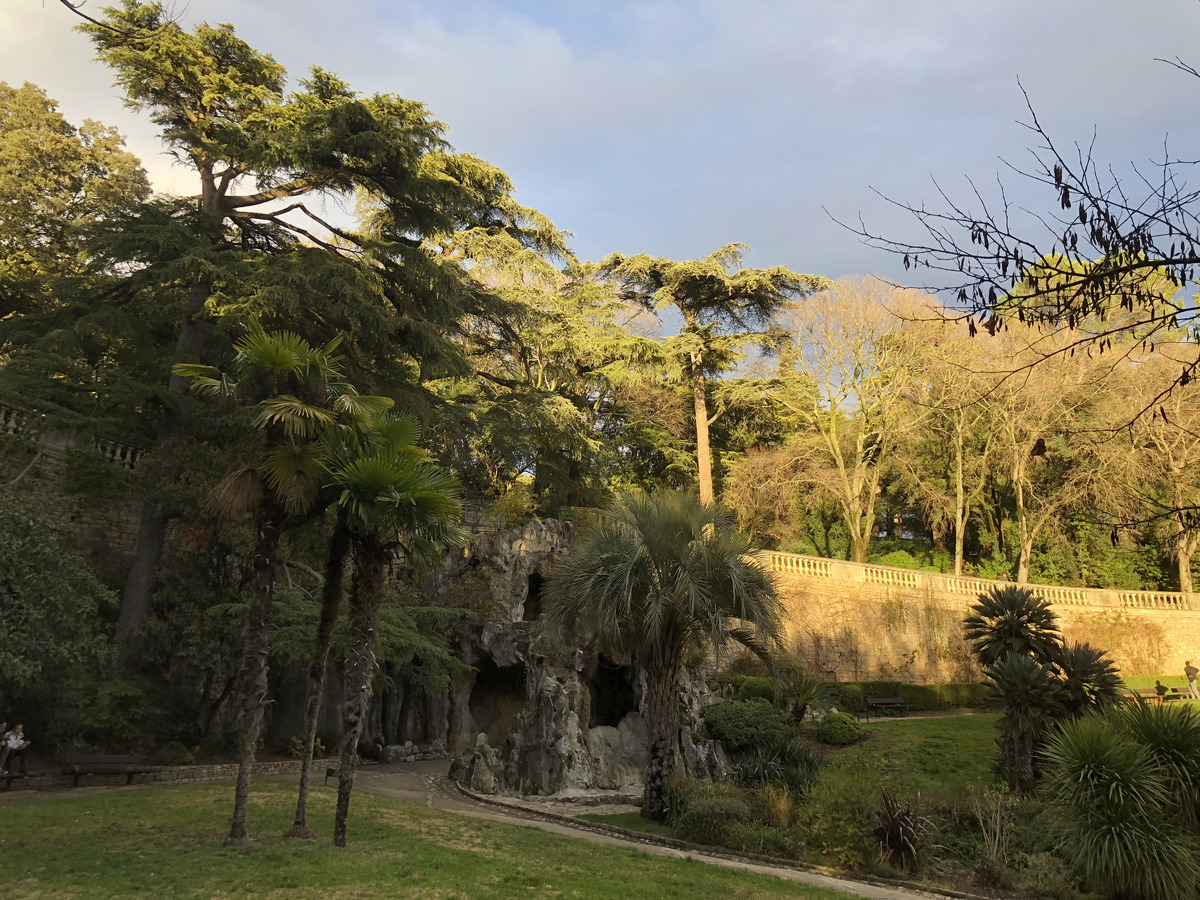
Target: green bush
(850, 697)
(757, 687)
(711, 818)
(839, 729)
(743, 725)
(173, 754)
(786, 761)
(678, 794)
(836, 822)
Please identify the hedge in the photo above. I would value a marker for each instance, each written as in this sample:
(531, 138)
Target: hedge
(852, 695)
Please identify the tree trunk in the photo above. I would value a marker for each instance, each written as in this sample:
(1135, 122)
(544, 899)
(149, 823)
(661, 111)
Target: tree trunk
(859, 544)
(152, 530)
(331, 602)
(960, 524)
(703, 452)
(366, 596)
(252, 676)
(662, 717)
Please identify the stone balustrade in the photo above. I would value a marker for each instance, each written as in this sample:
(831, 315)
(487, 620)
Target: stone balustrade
(957, 587)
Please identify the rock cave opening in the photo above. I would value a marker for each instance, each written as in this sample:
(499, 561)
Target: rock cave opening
(612, 694)
(496, 698)
(533, 598)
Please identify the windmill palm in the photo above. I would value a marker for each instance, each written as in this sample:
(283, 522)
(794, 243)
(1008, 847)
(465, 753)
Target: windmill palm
(656, 576)
(297, 393)
(1011, 619)
(341, 447)
(397, 504)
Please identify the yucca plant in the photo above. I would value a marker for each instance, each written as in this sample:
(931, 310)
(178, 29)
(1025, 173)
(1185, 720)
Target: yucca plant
(1032, 699)
(1172, 734)
(1089, 678)
(782, 761)
(1111, 802)
(1011, 619)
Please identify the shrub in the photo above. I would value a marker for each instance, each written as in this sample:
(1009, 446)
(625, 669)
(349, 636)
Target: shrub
(743, 725)
(759, 837)
(901, 830)
(835, 821)
(678, 794)
(1112, 802)
(173, 754)
(839, 729)
(296, 748)
(850, 697)
(710, 818)
(1044, 875)
(783, 761)
(757, 687)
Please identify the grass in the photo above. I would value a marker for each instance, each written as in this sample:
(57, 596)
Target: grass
(631, 821)
(166, 841)
(937, 756)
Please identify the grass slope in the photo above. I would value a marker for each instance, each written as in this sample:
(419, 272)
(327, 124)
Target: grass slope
(936, 756)
(167, 842)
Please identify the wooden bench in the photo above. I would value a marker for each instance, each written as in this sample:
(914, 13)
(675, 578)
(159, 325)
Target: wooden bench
(885, 705)
(9, 777)
(89, 764)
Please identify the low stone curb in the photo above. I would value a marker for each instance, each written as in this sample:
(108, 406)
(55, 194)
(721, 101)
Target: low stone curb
(181, 774)
(717, 852)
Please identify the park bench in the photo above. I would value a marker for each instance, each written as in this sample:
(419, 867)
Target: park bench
(1150, 694)
(9, 777)
(884, 705)
(89, 764)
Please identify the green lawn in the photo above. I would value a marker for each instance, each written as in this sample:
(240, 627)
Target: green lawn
(166, 841)
(937, 756)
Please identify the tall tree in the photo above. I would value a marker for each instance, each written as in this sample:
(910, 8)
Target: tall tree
(399, 507)
(261, 158)
(657, 575)
(296, 393)
(723, 305)
(847, 342)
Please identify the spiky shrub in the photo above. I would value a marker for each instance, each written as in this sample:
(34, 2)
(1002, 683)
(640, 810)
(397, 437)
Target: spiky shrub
(901, 830)
(1032, 699)
(1172, 734)
(839, 729)
(1088, 677)
(1110, 801)
(800, 690)
(1011, 619)
(783, 761)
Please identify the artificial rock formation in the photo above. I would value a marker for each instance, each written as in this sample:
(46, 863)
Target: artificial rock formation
(532, 717)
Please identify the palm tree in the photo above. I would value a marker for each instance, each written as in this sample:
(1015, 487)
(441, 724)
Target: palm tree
(1089, 678)
(341, 448)
(657, 575)
(397, 504)
(1033, 700)
(297, 393)
(1011, 619)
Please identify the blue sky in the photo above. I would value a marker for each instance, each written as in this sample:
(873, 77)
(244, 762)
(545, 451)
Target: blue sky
(675, 127)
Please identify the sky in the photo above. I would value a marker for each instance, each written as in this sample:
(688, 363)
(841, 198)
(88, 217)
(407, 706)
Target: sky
(675, 127)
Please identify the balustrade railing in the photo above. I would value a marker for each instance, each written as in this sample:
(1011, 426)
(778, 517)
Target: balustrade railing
(16, 421)
(957, 586)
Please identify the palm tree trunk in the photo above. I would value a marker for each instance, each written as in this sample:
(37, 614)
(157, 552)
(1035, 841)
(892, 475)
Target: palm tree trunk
(252, 676)
(366, 597)
(331, 601)
(662, 718)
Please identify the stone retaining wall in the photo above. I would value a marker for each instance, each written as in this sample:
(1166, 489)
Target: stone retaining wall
(856, 622)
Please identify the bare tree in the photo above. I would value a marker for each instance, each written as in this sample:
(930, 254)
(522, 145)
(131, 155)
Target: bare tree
(845, 340)
(1108, 261)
